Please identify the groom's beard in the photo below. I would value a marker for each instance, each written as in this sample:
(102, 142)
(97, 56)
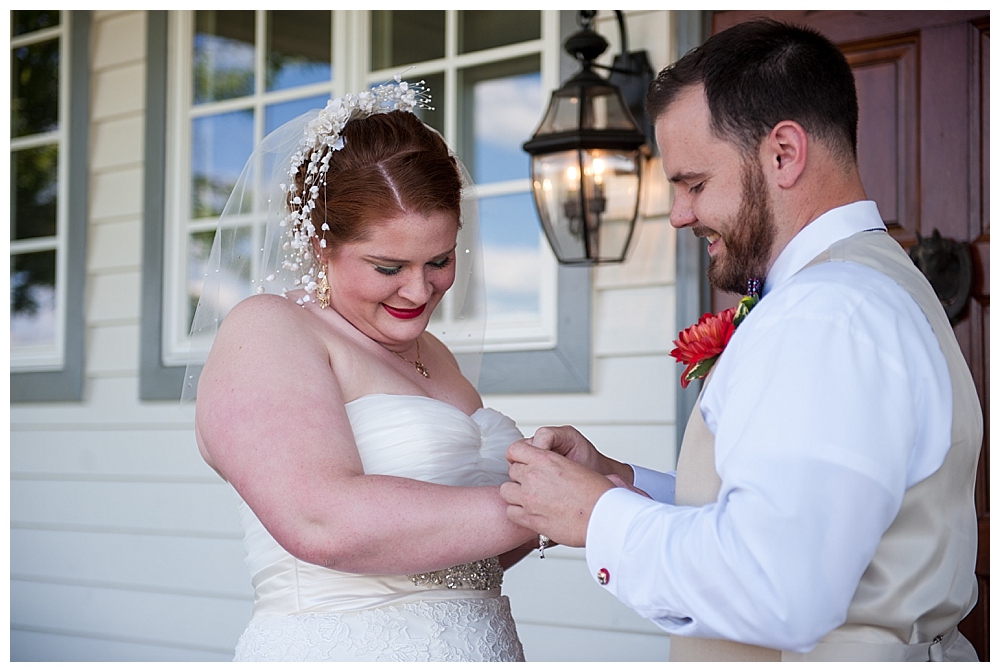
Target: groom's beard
(750, 238)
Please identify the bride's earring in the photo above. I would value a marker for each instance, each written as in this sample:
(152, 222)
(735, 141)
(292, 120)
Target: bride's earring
(323, 291)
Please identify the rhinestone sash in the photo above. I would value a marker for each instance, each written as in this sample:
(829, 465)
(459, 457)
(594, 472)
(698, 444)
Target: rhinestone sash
(479, 575)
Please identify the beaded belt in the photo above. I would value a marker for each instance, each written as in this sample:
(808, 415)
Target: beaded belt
(479, 575)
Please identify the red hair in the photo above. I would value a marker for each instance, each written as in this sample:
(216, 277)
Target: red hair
(391, 164)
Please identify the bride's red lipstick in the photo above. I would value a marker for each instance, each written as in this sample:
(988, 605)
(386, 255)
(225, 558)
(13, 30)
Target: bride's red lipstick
(401, 314)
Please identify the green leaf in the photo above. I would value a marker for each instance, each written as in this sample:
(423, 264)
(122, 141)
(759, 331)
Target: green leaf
(701, 369)
(743, 308)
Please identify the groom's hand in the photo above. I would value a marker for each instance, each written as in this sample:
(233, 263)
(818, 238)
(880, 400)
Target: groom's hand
(569, 442)
(550, 493)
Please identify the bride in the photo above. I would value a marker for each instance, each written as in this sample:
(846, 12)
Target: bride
(366, 467)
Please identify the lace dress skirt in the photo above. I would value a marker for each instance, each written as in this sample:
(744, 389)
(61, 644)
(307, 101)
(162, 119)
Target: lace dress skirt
(472, 630)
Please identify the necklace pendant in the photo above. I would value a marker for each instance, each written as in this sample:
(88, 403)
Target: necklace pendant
(421, 369)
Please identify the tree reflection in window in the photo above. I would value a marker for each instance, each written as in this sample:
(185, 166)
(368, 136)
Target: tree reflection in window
(223, 55)
(35, 187)
(32, 297)
(34, 89)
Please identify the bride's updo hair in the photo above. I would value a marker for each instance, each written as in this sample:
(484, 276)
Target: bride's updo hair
(391, 164)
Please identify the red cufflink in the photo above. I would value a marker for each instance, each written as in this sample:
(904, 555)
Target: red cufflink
(603, 576)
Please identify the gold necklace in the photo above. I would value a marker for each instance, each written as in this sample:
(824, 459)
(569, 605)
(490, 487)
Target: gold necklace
(421, 369)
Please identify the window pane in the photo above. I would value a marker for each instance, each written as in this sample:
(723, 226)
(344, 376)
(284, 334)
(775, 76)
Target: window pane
(434, 118)
(34, 84)
(494, 28)
(231, 289)
(35, 190)
(400, 37)
(298, 49)
(220, 146)
(22, 21)
(223, 55)
(501, 105)
(276, 115)
(33, 299)
(511, 237)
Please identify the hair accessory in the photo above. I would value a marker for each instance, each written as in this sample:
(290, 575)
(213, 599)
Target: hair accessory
(323, 290)
(421, 369)
(322, 137)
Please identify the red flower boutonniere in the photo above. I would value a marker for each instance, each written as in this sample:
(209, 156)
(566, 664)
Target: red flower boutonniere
(699, 346)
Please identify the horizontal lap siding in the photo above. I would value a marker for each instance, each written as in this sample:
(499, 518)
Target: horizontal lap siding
(198, 566)
(124, 546)
(206, 624)
(41, 645)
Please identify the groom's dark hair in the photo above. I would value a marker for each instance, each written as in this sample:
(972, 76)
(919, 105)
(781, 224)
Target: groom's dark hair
(761, 72)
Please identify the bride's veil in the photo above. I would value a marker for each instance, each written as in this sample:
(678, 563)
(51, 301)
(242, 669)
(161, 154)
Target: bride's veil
(250, 247)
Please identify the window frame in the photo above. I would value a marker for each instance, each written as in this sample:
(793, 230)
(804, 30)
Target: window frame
(61, 378)
(562, 366)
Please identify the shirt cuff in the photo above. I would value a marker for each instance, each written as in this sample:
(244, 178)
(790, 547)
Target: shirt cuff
(606, 533)
(658, 485)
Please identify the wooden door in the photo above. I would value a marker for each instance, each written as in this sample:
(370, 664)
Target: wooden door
(923, 82)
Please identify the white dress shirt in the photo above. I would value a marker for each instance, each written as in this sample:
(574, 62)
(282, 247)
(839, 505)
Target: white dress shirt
(832, 398)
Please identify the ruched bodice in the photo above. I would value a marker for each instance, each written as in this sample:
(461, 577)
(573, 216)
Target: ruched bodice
(396, 435)
(430, 440)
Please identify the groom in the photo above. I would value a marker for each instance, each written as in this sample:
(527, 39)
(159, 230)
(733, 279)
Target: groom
(822, 506)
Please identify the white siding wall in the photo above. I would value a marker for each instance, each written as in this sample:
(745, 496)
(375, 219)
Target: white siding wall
(125, 546)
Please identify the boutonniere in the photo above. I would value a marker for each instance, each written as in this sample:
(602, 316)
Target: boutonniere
(699, 346)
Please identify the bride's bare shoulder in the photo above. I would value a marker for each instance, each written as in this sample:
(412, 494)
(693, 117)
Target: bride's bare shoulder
(265, 310)
(264, 325)
(265, 305)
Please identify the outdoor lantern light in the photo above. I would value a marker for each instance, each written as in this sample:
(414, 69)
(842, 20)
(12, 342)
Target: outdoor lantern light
(587, 154)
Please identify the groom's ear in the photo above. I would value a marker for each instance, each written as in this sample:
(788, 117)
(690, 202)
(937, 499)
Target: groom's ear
(785, 152)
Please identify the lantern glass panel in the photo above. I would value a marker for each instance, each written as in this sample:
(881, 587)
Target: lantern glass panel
(611, 181)
(603, 109)
(588, 202)
(556, 184)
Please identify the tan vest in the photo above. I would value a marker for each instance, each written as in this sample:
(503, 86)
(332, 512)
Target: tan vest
(921, 582)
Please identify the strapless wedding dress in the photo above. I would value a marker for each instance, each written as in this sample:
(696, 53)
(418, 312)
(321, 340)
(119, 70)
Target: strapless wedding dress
(304, 612)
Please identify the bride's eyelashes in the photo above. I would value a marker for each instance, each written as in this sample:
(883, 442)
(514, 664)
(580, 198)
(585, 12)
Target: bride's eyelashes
(393, 270)
(442, 263)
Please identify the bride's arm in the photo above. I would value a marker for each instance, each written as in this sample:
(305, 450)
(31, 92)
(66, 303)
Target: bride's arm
(272, 421)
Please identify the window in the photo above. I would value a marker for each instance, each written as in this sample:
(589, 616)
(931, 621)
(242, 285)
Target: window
(38, 189)
(49, 84)
(234, 76)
